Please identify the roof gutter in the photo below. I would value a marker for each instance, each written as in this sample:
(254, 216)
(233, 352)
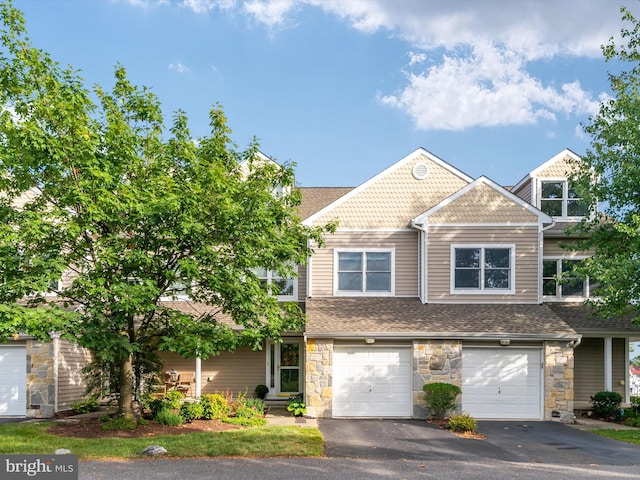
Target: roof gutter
(570, 337)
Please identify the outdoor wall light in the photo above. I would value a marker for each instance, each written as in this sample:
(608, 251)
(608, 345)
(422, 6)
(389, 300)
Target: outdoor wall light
(369, 341)
(505, 341)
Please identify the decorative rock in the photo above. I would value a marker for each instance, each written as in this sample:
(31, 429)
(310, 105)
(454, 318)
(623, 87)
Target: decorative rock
(567, 417)
(153, 451)
(62, 451)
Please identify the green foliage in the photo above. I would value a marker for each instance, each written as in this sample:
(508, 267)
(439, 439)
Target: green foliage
(89, 404)
(261, 391)
(256, 404)
(246, 421)
(440, 398)
(297, 406)
(613, 159)
(191, 411)
(214, 405)
(632, 422)
(173, 399)
(134, 208)
(635, 402)
(120, 423)
(606, 404)
(463, 423)
(169, 417)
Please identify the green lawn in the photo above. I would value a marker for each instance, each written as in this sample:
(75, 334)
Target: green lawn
(32, 438)
(629, 436)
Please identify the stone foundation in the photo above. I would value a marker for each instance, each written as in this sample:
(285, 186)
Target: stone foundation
(558, 381)
(318, 377)
(40, 381)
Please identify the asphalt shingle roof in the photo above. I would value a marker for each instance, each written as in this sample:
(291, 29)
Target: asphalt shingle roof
(582, 318)
(315, 199)
(406, 317)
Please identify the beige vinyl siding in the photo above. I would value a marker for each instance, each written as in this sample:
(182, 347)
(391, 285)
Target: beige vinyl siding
(397, 197)
(553, 248)
(236, 372)
(525, 192)
(483, 204)
(589, 369)
(71, 384)
(302, 283)
(404, 243)
(440, 240)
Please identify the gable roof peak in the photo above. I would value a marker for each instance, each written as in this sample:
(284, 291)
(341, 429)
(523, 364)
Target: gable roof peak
(556, 158)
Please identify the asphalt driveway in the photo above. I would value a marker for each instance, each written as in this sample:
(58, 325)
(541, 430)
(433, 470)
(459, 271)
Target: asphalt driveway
(531, 442)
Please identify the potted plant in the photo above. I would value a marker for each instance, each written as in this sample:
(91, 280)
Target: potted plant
(261, 391)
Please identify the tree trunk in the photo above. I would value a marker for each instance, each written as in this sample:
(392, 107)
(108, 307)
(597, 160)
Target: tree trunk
(125, 407)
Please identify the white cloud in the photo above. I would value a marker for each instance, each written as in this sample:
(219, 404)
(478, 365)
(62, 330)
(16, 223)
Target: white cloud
(179, 67)
(143, 3)
(206, 6)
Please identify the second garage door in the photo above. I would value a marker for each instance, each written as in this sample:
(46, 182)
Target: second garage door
(372, 382)
(502, 383)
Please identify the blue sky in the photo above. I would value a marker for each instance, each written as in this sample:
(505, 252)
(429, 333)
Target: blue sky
(345, 88)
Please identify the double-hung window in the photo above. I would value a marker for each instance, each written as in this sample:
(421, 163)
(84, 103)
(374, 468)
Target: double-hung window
(482, 268)
(558, 199)
(364, 272)
(560, 280)
(282, 287)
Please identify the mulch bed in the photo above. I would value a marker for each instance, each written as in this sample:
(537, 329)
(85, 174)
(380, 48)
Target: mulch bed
(92, 428)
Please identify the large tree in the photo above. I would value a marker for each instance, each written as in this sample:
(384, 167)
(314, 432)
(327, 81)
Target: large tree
(95, 189)
(609, 177)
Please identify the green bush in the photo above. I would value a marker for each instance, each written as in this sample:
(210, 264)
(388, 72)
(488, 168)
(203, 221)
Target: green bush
(297, 406)
(440, 398)
(632, 422)
(214, 406)
(89, 404)
(168, 417)
(463, 423)
(635, 403)
(261, 391)
(173, 399)
(256, 404)
(156, 406)
(244, 411)
(191, 411)
(606, 404)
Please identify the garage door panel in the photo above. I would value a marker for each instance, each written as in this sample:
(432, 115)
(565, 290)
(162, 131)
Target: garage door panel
(502, 383)
(13, 381)
(372, 382)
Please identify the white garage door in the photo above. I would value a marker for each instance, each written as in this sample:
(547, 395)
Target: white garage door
(13, 381)
(502, 383)
(372, 382)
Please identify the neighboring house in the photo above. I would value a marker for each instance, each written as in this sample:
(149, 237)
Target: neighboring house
(435, 276)
(634, 380)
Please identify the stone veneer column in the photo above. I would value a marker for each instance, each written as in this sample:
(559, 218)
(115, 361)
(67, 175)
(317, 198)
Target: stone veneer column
(40, 379)
(318, 377)
(558, 381)
(434, 361)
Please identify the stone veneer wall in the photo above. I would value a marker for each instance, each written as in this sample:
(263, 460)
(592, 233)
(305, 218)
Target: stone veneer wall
(40, 382)
(558, 382)
(318, 377)
(434, 361)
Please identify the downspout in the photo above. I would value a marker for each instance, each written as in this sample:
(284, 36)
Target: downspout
(198, 377)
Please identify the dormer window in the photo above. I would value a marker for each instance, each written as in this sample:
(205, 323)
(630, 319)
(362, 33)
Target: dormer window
(558, 199)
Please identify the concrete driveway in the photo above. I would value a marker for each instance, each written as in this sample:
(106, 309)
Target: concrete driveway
(530, 442)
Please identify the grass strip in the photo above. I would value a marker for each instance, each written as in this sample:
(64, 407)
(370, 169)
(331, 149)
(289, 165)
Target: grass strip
(629, 436)
(32, 438)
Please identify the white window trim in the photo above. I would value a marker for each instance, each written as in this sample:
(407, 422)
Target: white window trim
(482, 290)
(351, 293)
(565, 197)
(166, 297)
(284, 298)
(557, 297)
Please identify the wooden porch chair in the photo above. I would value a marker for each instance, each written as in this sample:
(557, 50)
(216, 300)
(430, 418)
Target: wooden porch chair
(185, 383)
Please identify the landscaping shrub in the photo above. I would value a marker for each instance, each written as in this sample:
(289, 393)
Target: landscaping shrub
(89, 404)
(168, 417)
(173, 399)
(440, 398)
(214, 405)
(246, 422)
(632, 422)
(156, 406)
(191, 411)
(297, 406)
(463, 423)
(261, 391)
(256, 404)
(606, 404)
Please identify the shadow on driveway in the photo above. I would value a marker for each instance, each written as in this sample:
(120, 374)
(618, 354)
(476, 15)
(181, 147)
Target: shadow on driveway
(535, 442)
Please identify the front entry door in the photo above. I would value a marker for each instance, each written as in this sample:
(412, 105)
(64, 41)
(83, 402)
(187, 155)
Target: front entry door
(284, 364)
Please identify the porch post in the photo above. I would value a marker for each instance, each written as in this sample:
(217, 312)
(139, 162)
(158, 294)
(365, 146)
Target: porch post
(608, 362)
(627, 378)
(198, 375)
